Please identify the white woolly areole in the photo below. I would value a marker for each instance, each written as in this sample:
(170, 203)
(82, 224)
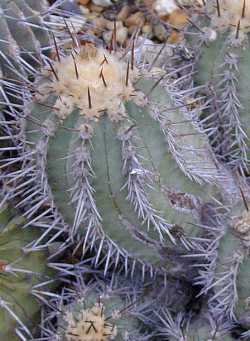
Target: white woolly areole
(93, 80)
(90, 325)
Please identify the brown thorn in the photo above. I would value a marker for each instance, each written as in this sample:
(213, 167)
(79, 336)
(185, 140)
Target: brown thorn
(127, 74)
(76, 70)
(47, 106)
(243, 14)
(237, 30)
(89, 99)
(155, 85)
(68, 29)
(56, 47)
(102, 77)
(110, 47)
(133, 54)
(218, 8)
(114, 36)
(157, 56)
(53, 70)
(244, 199)
(75, 37)
(195, 25)
(104, 61)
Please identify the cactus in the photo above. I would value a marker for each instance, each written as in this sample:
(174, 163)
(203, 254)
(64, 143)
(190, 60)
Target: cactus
(22, 276)
(117, 154)
(222, 53)
(231, 273)
(223, 265)
(112, 157)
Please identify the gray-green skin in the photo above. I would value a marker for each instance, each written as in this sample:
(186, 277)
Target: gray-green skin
(231, 287)
(127, 325)
(201, 330)
(66, 153)
(223, 65)
(16, 286)
(194, 327)
(22, 34)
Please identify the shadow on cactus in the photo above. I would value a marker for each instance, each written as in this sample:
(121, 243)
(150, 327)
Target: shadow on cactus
(23, 277)
(115, 156)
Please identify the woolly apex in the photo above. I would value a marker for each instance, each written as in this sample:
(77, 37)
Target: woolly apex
(90, 325)
(93, 80)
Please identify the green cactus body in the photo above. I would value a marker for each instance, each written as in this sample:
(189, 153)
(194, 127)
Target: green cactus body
(23, 37)
(119, 161)
(231, 280)
(223, 64)
(201, 329)
(19, 272)
(34, 14)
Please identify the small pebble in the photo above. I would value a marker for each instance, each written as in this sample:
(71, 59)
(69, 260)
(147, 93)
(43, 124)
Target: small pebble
(107, 36)
(121, 35)
(83, 2)
(84, 10)
(102, 3)
(92, 15)
(95, 8)
(147, 29)
(136, 19)
(178, 18)
(132, 29)
(164, 7)
(174, 37)
(124, 13)
(110, 24)
(160, 32)
(100, 23)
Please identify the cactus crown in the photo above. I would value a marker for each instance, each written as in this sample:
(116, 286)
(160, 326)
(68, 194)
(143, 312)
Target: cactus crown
(93, 80)
(91, 325)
